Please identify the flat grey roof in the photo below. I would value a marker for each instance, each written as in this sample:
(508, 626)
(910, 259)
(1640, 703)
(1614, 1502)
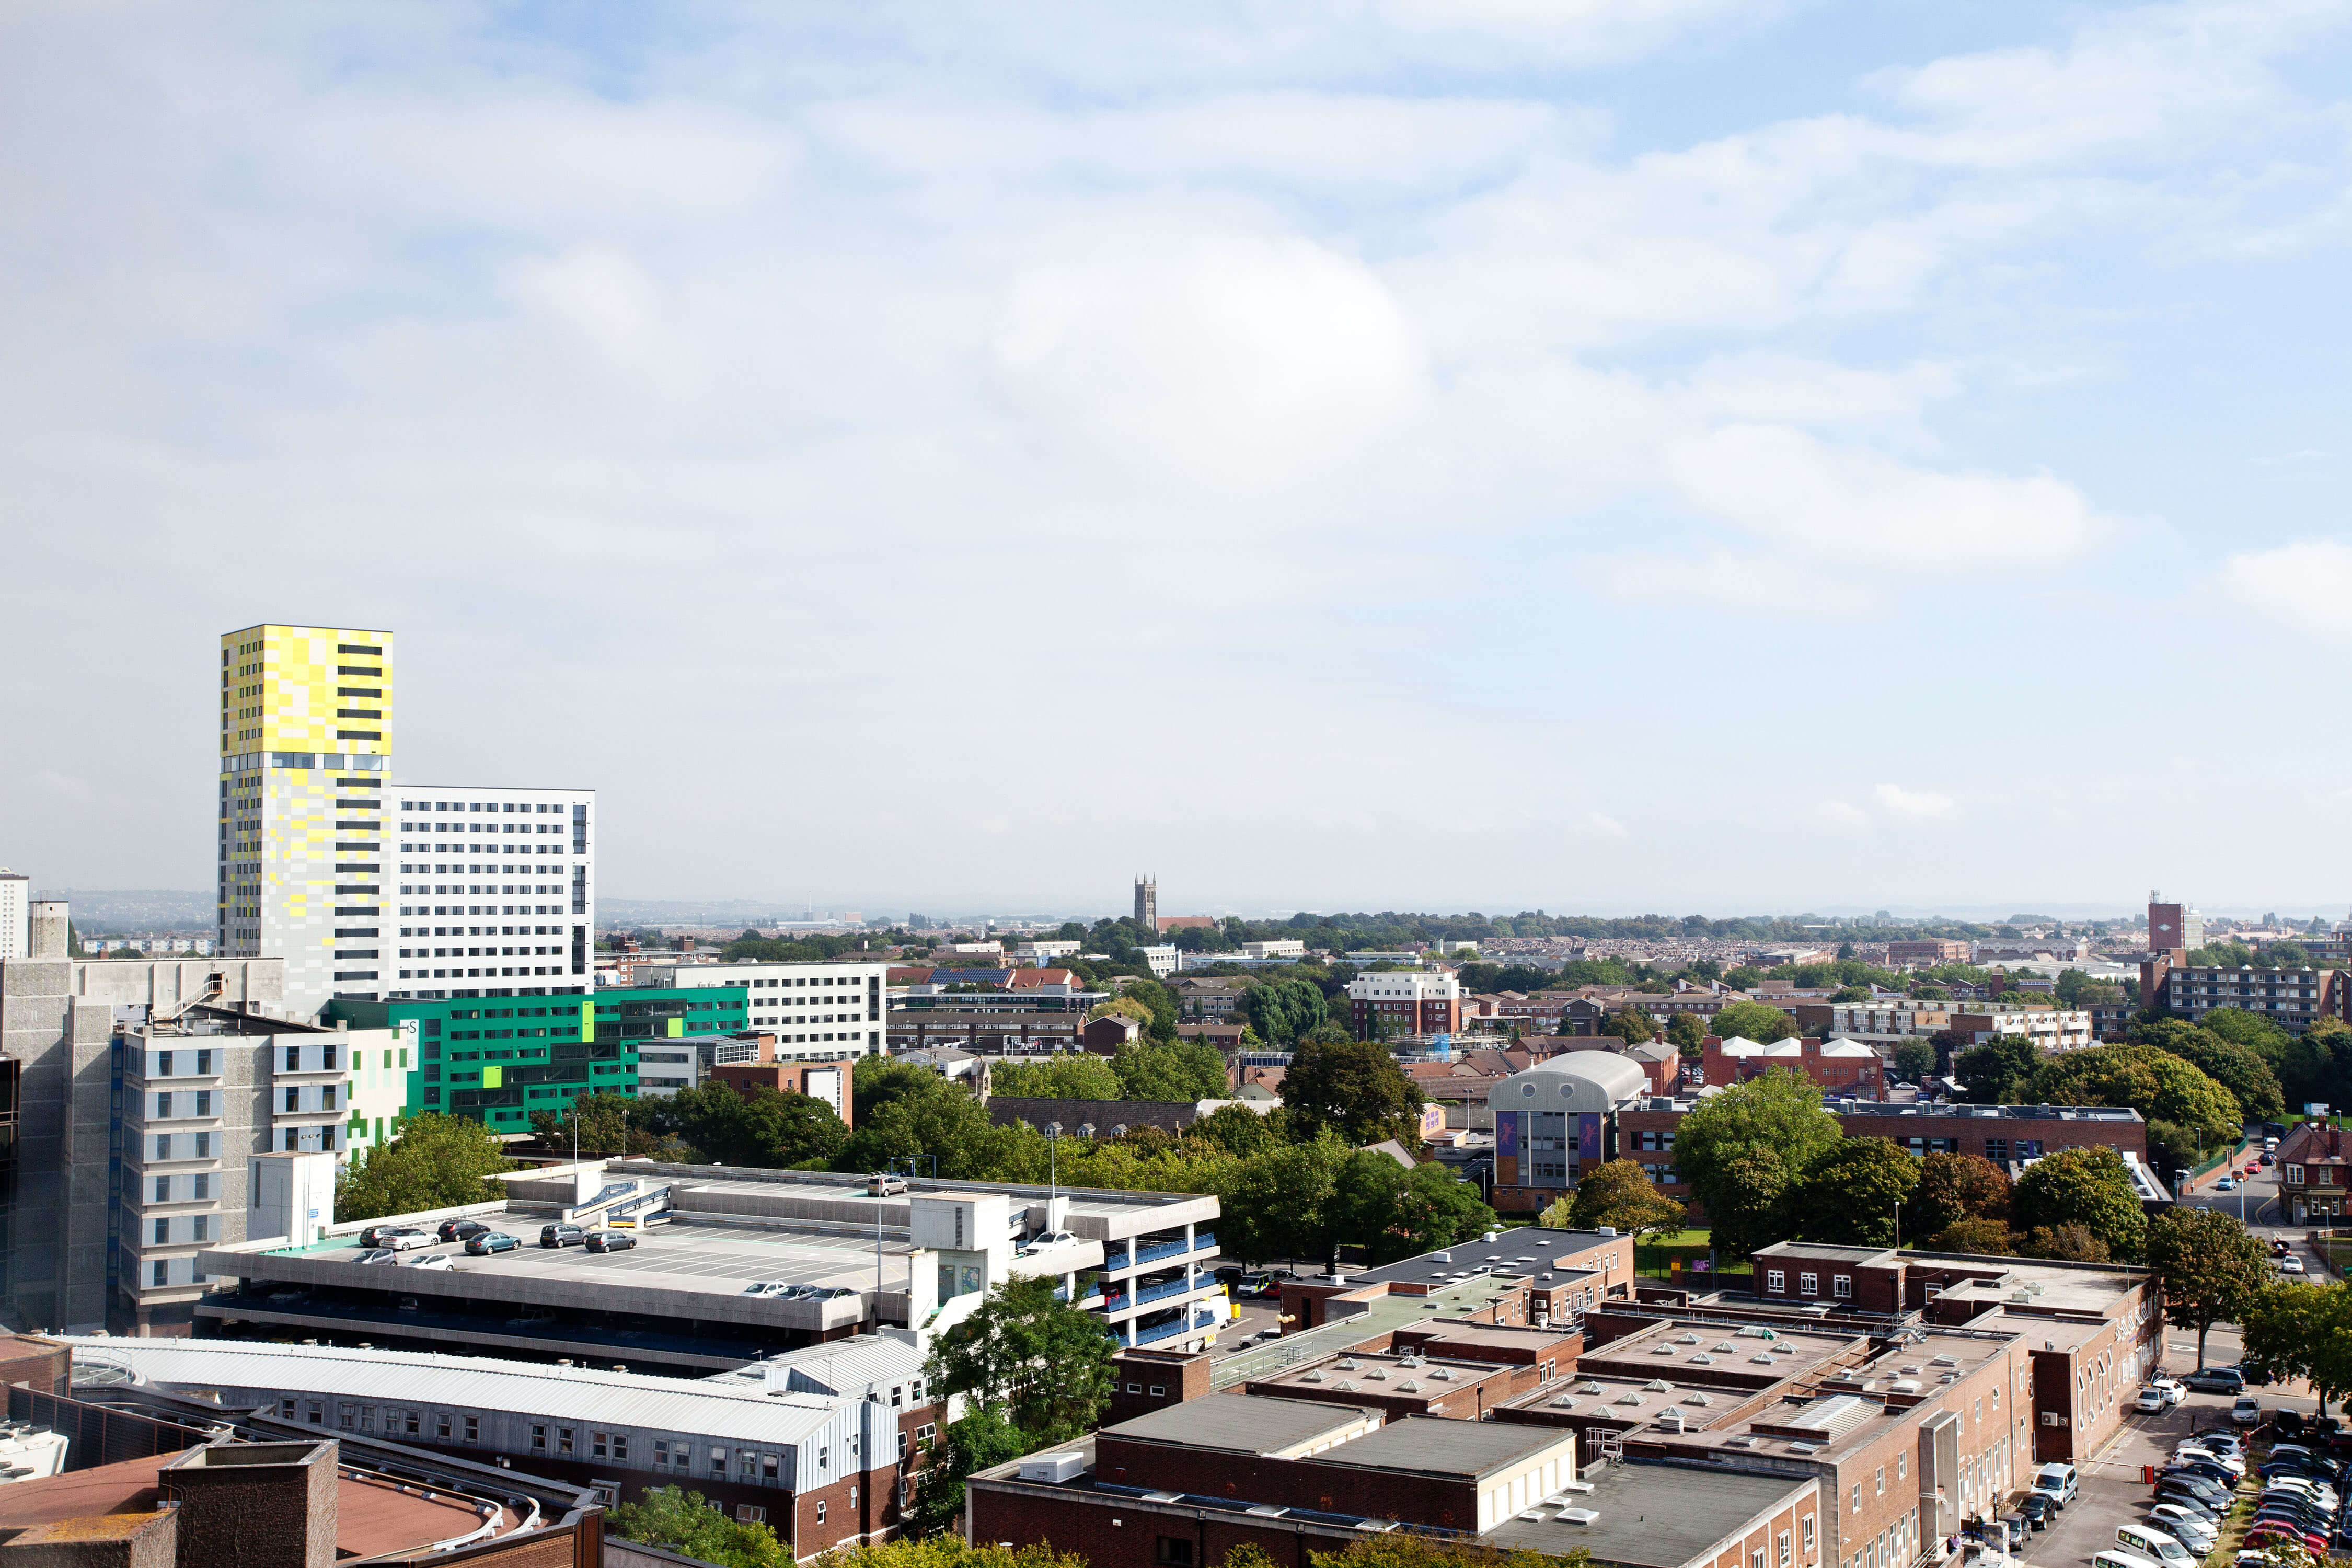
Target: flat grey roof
(1652, 1515)
(1432, 1445)
(1527, 1250)
(1835, 1254)
(1244, 1424)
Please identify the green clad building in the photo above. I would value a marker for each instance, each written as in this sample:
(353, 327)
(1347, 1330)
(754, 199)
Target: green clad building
(498, 1059)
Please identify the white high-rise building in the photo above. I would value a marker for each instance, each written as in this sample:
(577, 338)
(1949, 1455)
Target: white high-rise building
(495, 892)
(16, 914)
(305, 743)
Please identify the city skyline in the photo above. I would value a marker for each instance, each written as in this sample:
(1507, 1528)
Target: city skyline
(1665, 458)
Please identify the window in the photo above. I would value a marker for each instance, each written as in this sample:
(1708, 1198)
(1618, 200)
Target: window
(204, 1181)
(1857, 1497)
(1841, 1284)
(563, 1440)
(1775, 1281)
(770, 1468)
(473, 1428)
(718, 1463)
(1809, 1535)
(820, 1511)
(163, 1145)
(409, 1425)
(1174, 1551)
(163, 1232)
(1784, 1549)
(823, 1456)
(293, 1099)
(1882, 1480)
(163, 1107)
(163, 1195)
(538, 1438)
(747, 1513)
(163, 1064)
(2294, 1175)
(162, 1274)
(293, 1059)
(596, 1444)
(441, 1426)
(201, 1227)
(620, 1445)
(285, 1408)
(1808, 1284)
(203, 1145)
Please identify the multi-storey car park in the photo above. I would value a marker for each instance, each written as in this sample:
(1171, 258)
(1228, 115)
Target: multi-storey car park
(686, 1300)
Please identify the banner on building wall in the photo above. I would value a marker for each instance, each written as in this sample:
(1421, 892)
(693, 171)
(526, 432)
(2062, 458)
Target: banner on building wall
(1590, 1152)
(1507, 1149)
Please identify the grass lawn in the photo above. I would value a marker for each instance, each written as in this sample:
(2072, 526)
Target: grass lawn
(1654, 1260)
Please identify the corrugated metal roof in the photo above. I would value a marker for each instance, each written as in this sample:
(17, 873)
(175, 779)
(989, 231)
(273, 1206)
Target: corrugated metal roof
(621, 1398)
(847, 1366)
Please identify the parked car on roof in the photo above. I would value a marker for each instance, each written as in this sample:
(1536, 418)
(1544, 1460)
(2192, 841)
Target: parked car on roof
(492, 1241)
(461, 1229)
(610, 1241)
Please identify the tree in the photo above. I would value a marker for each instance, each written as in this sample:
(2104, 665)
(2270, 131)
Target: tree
(1403, 1549)
(1169, 1070)
(2286, 955)
(2301, 1329)
(2211, 1266)
(436, 1163)
(1997, 1072)
(1743, 1150)
(1393, 1212)
(1041, 1362)
(1915, 1059)
(2235, 1065)
(1356, 1089)
(2066, 1243)
(1238, 1130)
(1985, 1237)
(1620, 1194)
(1957, 1187)
(1285, 1010)
(1630, 1025)
(1075, 1074)
(2316, 1066)
(977, 1441)
(1848, 1198)
(2154, 1082)
(603, 1122)
(1949, 1044)
(1278, 1205)
(1757, 1021)
(947, 1549)
(683, 1522)
(1687, 1030)
(1851, 994)
(1122, 1007)
(2085, 1186)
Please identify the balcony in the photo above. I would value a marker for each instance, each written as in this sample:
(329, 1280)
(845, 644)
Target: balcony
(1185, 1324)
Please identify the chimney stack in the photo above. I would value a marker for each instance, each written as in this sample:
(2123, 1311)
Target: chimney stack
(255, 1505)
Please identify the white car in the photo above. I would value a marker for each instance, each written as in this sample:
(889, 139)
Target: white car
(2149, 1401)
(431, 1261)
(2183, 1526)
(408, 1240)
(2289, 1265)
(2174, 1390)
(2229, 1459)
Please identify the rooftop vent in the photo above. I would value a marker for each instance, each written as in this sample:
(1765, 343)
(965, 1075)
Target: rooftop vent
(1659, 1386)
(1945, 1360)
(1702, 1359)
(1443, 1373)
(1310, 1377)
(1910, 1371)
(1670, 1420)
(1565, 1402)
(1726, 1348)
(1410, 1385)
(1578, 1516)
(1587, 1387)
(1756, 1332)
(1662, 1350)
(1628, 1398)
(1685, 1339)
(1700, 1400)
(1760, 1359)
(1408, 1361)
(1347, 1363)
(1376, 1374)
(1344, 1386)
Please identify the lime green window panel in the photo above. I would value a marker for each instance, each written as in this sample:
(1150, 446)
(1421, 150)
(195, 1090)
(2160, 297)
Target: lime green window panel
(492, 1077)
(677, 1028)
(588, 1021)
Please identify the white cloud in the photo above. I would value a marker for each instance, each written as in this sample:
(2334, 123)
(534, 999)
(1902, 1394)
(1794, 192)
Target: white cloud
(1917, 805)
(1854, 508)
(2305, 587)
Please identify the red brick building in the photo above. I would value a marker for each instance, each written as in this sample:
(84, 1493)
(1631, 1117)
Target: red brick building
(827, 1081)
(1838, 1066)
(2314, 1166)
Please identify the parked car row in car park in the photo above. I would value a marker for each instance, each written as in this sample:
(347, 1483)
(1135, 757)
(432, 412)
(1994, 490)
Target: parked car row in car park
(783, 1291)
(386, 1243)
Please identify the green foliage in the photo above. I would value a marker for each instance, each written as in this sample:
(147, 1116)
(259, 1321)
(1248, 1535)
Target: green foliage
(1077, 1075)
(1285, 1010)
(2302, 1330)
(1988, 1236)
(1847, 1198)
(1851, 994)
(436, 1163)
(2211, 1266)
(2066, 1243)
(683, 1522)
(763, 1128)
(1238, 1130)
(1997, 1072)
(980, 1439)
(1482, 979)
(2153, 1081)
(2265, 1038)
(606, 1123)
(1041, 1363)
(2172, 1147)
(1957, 1187)
(2286, 955)
(811, 949)
(877, 1081)
(1181, 1070)
(2220, 955)
(2087, 1187)
(946, 1548)
(1742, 1150)
(1278, 1205)
(1393, 1213)
(2237, 1065)
(2318, 1064)
(1621, 1195)
(1757, 1021)
(1687, 1030)
(940, 1121)
(1404, 1549)
(1915, 1059)
(1631, 1025)
(1355, 1088)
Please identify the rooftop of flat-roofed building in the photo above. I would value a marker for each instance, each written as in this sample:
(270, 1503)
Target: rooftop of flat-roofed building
(1649, 1515)
(1249, 1423)
(1525, 1252)
(2046, 1285)
(1634, 1400)
(1730, 1347)
(2013, 1112)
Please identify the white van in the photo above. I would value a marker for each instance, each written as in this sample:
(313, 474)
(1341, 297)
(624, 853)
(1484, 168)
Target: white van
(2147, 1541)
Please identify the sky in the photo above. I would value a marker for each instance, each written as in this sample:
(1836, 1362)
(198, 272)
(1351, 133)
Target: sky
(1602, 455)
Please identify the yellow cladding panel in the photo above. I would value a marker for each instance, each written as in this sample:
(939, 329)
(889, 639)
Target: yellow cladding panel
(282, 687)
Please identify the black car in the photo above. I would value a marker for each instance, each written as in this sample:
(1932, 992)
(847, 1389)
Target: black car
(2215, 1380)
(2218, 1474)
(2037, 1510)
(610, 1241)
(374, 1235)
(561, 1235)
(461, 1229)
(2196, 1487)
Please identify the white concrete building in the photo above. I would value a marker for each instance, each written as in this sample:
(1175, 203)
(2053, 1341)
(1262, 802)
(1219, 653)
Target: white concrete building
(1286, 948)
(496, 892)
(818, 1011)
(1164, 959)
(16, 914)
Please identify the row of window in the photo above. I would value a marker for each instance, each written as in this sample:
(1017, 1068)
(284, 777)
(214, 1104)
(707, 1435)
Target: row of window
(1776, 1282)
(508, 807)
(2321, 1175)
(481, 828)
(196, 1188)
